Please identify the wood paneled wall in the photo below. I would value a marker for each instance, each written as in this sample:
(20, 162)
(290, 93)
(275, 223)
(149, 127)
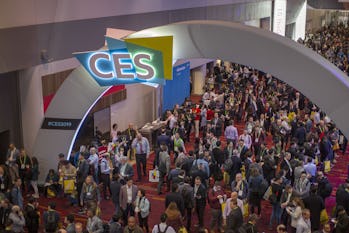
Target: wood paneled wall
(52, 82)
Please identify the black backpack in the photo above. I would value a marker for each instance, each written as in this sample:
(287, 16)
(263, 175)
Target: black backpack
(106, 227)
(327, 190)
(52, 223)
(162, 231)
(228, 164)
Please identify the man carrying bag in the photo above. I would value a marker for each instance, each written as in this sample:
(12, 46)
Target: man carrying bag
(164, 165)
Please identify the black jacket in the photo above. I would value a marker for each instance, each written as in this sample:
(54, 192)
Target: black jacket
(176, 198)
(342, 225)
(31, 218)
(218, 155)
(315, 204)
(83, 170)
(4, 213)
(115, 187)
(234, 220)
(200, 197)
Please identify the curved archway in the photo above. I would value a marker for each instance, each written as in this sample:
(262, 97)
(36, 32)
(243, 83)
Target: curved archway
(300, 67)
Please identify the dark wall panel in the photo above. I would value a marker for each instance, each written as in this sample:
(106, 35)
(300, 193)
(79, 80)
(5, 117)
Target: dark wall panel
(9, 106)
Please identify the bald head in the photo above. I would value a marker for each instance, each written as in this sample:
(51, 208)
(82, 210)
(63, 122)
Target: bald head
(234, 195)
(131, 222)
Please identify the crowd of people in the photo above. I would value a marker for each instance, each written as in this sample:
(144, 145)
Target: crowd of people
(281, 156)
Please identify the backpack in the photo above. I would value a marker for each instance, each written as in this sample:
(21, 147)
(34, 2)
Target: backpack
(51, 225)
(245, 228)
(327, 190)
(187, 198)
(242, 229)
(106, 227)
(227, 165)
(162, 231)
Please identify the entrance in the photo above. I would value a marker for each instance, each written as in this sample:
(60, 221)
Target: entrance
(4, 142)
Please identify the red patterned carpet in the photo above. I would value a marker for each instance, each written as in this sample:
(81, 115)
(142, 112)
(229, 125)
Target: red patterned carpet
(337, 176)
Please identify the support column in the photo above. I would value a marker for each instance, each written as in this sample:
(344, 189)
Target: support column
(301, 22)
(198, 78)
(279, 16)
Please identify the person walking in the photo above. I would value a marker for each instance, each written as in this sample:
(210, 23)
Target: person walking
(34, 176)
(163, 227)
(128, 194)
(163, 166)
(141, 145)
(142, 208)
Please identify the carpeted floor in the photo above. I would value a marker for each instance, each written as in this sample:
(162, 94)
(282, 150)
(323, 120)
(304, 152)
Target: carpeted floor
(337, 176)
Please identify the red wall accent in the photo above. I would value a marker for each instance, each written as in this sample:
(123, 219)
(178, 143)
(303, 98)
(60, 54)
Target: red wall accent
(47, 99)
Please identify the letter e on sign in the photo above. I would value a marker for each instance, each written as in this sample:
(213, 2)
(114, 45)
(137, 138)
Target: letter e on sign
(119, 66)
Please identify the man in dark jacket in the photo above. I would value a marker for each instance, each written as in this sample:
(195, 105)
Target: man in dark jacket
(5, 210)
(251, 225)
(342, 196)
(115, 187)
(199, 172)
(176, 197)
(187, 192)
(200, 200)
(81, 173)
(300, 134)
(32, 216)
(236, 166)
(324, 186)
(315, 204)
(235, 218)
(218, 154)
(342, 221)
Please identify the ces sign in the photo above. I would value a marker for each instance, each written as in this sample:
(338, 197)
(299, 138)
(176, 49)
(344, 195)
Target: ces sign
(123, 65)
(135, 60)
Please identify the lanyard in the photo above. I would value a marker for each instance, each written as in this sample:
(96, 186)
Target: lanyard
(23, 161)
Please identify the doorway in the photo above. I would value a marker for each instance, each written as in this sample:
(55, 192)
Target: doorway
(4, 142)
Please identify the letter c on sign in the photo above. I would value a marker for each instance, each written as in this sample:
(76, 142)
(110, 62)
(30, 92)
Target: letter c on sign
(93, 65)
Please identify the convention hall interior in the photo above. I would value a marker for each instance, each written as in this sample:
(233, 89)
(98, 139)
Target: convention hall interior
(170, 116)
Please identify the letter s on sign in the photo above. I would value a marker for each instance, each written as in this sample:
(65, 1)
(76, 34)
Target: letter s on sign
(93, 65)
(149, 69)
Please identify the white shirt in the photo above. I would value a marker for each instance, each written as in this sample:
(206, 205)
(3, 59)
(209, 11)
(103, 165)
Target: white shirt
(94, 160)
(129, 194)
(122, 169)
(247, 140)
(162, 227)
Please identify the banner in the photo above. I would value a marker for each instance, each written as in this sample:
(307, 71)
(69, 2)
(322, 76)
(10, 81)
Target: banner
(177, 89)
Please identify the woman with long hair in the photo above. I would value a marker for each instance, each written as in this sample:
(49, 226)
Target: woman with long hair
(142, 208)
(174, 217)
(295, 212)
(254, 186)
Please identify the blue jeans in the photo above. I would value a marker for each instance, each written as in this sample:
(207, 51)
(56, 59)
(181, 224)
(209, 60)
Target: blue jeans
(275, 214)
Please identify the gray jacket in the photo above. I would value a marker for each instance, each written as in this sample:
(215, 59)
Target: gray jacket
(164, 162)
(94, 225)
(18, 222)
